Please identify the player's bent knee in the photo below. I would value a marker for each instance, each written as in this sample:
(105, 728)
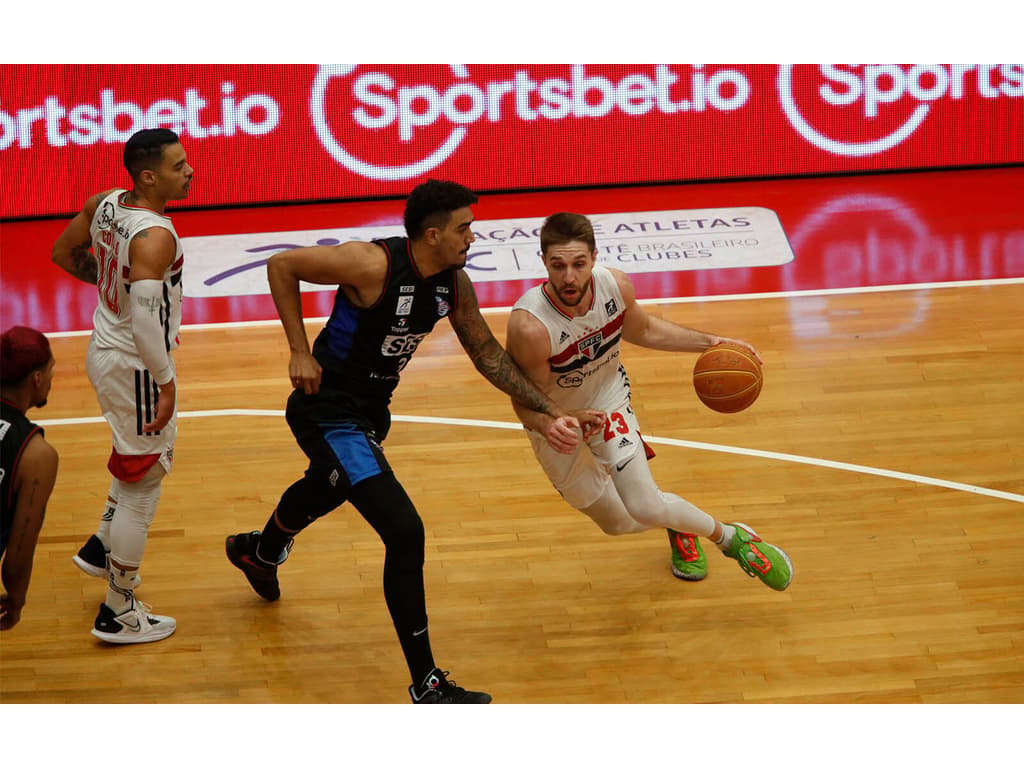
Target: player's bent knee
(308, 499)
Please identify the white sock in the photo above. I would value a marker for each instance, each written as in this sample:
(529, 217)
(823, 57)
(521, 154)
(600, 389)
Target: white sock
(120, 594)
(725, 541)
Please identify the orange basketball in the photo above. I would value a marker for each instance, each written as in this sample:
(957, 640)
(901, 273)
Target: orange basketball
(727, 378)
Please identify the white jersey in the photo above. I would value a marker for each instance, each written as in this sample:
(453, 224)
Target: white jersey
(113, 226)
(584, 362)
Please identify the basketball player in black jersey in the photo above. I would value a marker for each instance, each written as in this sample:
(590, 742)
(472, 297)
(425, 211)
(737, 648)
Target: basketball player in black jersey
(28, 469)
(390, 295)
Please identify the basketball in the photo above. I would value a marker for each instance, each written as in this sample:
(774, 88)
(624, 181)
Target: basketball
(727, 378)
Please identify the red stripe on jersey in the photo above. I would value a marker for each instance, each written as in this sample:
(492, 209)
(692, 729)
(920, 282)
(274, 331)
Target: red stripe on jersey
(570, 352)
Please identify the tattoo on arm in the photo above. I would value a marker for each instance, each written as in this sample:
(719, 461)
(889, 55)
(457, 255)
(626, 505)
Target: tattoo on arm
(490, 358)
(83, 263)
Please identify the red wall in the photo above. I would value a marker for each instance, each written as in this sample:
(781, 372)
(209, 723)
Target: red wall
(264, 133)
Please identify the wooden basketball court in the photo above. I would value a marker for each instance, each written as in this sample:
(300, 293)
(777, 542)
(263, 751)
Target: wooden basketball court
(884, 454)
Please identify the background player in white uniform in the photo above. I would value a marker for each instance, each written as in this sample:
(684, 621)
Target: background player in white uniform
(136, 264)
(565, 335)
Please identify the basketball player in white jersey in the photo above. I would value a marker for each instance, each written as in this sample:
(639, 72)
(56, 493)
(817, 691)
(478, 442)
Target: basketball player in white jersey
(136, 265)
(565, 335)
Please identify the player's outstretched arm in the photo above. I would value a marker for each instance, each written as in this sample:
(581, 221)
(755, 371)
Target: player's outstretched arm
(529, 346)
(645, 330)
(497, 366)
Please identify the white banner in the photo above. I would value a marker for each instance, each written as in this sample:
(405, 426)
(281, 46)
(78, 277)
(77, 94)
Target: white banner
(509, 249)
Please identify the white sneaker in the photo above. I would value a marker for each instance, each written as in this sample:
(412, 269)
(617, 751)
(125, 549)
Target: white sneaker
(134, 625)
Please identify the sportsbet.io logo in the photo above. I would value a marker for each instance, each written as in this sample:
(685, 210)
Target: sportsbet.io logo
(372, 89)
(872, 88)
(431, 111)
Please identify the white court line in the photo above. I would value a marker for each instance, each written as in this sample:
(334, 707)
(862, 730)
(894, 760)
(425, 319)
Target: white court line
(668, 300)
(840, 465)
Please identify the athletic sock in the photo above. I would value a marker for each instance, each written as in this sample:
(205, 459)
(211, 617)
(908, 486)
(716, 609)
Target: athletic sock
(120, 594)
(271, 543)
(725, 541)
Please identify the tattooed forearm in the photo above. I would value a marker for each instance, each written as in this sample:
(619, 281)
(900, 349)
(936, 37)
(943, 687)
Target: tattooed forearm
(489, 357)
(83, 264)
(495, 364)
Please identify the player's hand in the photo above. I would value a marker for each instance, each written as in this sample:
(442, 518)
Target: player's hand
(305, 372)
(591, 421)
(9, 615)
(746, 345)
(563, 434)
(164, 407)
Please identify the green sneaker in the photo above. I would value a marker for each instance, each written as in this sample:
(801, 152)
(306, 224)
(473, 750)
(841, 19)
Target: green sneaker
(688, 561)
(759, 558)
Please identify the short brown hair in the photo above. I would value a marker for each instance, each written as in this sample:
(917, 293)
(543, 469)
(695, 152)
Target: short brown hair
(562, 228)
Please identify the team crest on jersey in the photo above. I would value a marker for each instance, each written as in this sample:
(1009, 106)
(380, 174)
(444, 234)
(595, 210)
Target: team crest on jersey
(443, 307)
(404, 305)
(589, 345)
(610, 307)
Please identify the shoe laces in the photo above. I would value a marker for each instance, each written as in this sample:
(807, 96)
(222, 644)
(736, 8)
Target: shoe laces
(685, 546)
(748, 555)
(145, 608)
(446, 688)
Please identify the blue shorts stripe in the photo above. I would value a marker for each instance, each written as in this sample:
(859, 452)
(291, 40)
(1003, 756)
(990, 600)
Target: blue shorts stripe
(354, 453)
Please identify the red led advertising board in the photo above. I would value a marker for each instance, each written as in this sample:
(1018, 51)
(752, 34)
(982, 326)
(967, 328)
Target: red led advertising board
(279, 133)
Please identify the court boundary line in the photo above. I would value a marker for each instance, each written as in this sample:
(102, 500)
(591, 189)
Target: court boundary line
(980, 283)
(692, 444)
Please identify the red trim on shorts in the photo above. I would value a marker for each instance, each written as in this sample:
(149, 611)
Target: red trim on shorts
(131, 469)
(647, 449)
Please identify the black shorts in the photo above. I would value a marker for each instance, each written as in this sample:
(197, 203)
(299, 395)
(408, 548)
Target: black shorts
(339, 430)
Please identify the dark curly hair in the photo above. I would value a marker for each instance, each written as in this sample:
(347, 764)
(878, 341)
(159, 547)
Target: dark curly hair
(431, 203)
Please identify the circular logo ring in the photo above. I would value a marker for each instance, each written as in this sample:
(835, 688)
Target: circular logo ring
(784, 86)
(354, 164)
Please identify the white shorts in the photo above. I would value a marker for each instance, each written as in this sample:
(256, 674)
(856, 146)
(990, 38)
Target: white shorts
(127, 396)
(581, 476)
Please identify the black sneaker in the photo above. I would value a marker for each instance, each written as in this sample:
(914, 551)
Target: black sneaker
(241, 551)
(438, 689)
(93, 558)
